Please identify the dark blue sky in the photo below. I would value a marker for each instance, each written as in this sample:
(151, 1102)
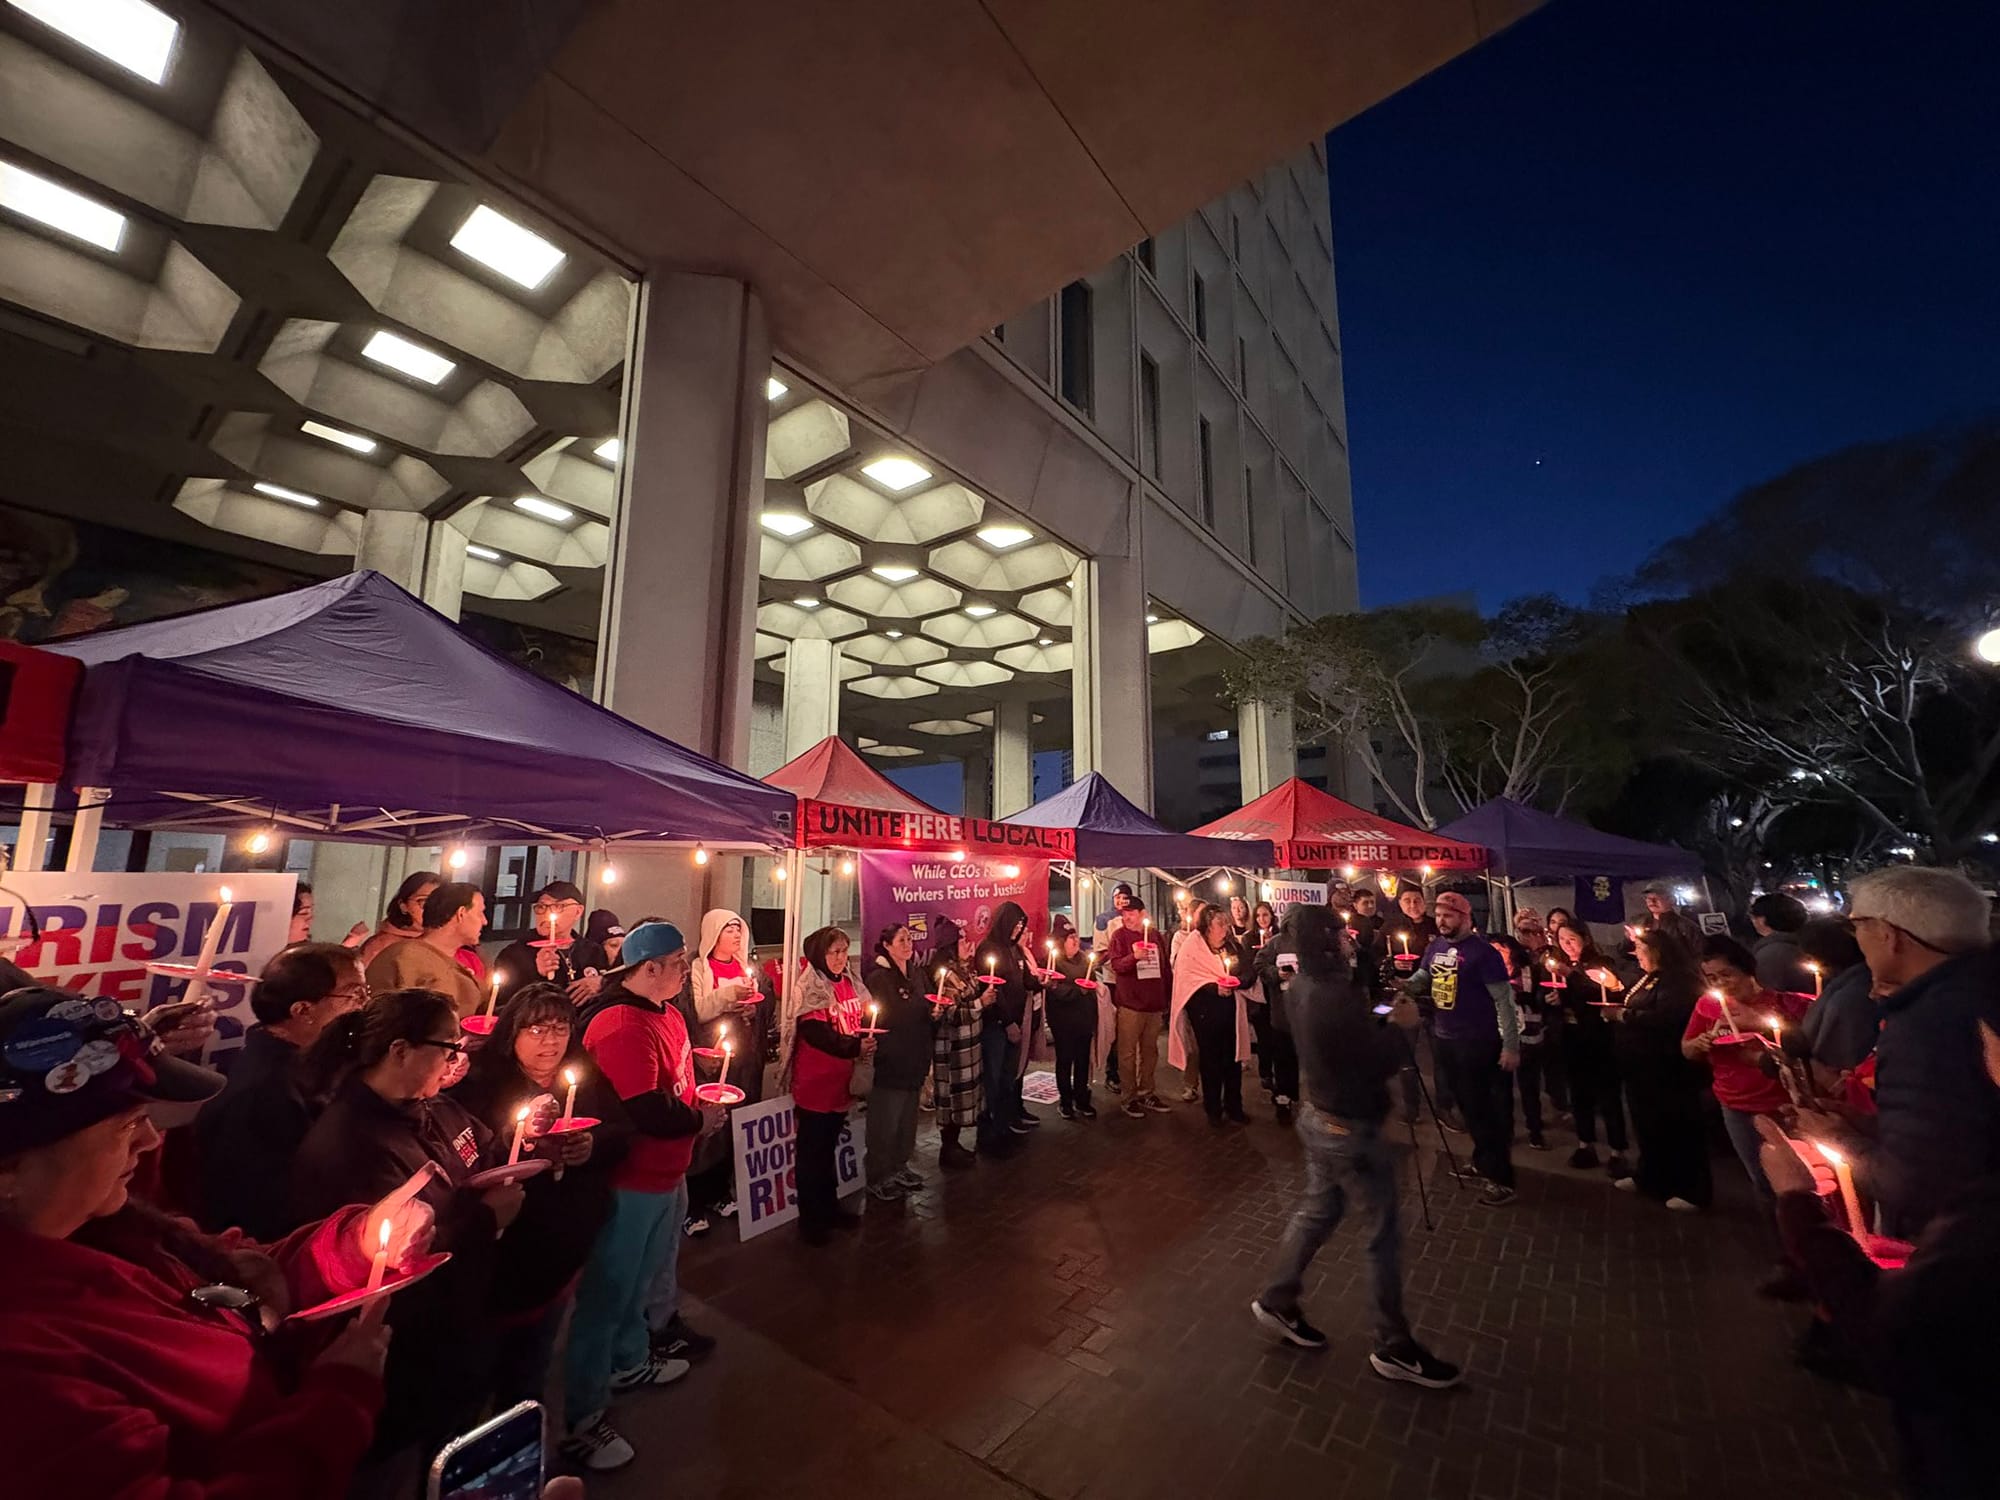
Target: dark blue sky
(1668, 248)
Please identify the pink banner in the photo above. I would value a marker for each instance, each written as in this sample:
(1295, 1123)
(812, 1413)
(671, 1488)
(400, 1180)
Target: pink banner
(918, 888)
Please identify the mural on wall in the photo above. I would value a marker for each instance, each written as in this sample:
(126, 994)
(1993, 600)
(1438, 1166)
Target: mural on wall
(60, 577)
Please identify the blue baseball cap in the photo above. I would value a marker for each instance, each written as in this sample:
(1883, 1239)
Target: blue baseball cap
(648, 941)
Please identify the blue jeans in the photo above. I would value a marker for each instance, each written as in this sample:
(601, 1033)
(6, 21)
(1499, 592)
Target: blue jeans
(1743, 1136)
(1342, 1157)
(607, 1333)
(663, 1297)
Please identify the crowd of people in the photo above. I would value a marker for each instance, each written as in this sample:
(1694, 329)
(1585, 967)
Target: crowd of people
(365, 1130)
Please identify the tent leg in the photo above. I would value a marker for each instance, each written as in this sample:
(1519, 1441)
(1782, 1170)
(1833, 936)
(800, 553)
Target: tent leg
(84, 831)
(794, 945)
(31, 852)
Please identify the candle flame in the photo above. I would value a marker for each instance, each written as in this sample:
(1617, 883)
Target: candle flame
(1830, 1154)
(569, 1077)
(225, 895)
(521, 1114)
(385, 1232)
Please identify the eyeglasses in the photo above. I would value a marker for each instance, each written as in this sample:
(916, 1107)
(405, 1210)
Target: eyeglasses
(360, 995)
(547, 1029)
(545, 907)
(455, 1047)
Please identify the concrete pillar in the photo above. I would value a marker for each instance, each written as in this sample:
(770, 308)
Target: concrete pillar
(1111, 681)
(1013, 756)
(680, 597)
(812, 712)
(976, 779)
(1266, 753)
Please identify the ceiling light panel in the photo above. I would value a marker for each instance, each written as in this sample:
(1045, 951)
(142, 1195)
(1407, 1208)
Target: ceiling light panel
(548, 510)
(279, 492)
(785, 523)
(138, 37)
(896, 473)
(399, 354)
(33, 196)
(893, 572)
(1001, 535)
(499, 244)
(909, 600)
(609, 450)
(354, 442)
(775, 389)
(484, 554)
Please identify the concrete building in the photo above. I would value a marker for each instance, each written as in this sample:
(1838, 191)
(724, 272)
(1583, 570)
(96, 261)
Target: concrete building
(747, 371)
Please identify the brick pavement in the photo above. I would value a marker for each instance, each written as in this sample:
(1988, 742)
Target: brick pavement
(1072, 1324)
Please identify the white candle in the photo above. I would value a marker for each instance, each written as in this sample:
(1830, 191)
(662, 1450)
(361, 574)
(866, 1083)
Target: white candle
(380, 1266)
(1406, 943)
(493, 996)
(1816, 980)
(569, 1104)
(874, 1013)
(520, 1133)
(1722, 1002)
(1849, 1199)
(1090, 965)
(210, 941)
(991, 960)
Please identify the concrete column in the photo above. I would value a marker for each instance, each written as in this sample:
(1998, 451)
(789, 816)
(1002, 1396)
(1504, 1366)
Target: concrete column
(812, 712)
(1266, 753)
(1111, 681)
(1013, 756)
(680, 597)
(976, 781)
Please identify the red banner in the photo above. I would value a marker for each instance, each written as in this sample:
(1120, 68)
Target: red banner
(1323, 854)
(824, 825)
(36, 691)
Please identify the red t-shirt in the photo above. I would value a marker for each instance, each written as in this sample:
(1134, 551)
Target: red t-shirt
(641, 1050)
(819, 1079)
(1739, 1083)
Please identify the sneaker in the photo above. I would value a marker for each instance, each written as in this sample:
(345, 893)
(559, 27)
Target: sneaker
(1536, 1143)
(678, 1341)
(1293, 1330)
(1626, 1184)
(1583, 1156)
(910, 1180)
(1496, 1196)
(695, 1225)
(1158, 1105)
(595, 1444)
(1022, 1127)
(1465, 1171)
(1033, 1122)
(1190, 1095)
(1453, 1121)
(1134, 1110)
(1087, 1111)
(1618, 1166)
(655, 1371)
(1411, 1361)
(1067, 1111)
(1682, 1206)
(891, 1191)
(951, 1154)
(726, 1209)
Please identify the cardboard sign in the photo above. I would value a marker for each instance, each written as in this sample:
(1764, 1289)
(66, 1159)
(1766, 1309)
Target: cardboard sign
(99, 931)
(1713, 923)
(1290, 893)
(761, 1140)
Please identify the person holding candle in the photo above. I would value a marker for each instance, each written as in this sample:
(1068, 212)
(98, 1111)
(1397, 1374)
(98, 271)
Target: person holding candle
(1663, 1090)
(724, 999)
(1072, 1015)
(820, 1045)
(1142, 996)
(385, 1121)
(1211, 1010)
(454, 917)
(557, 910)
(404, 918)
(535, 1059)
(956, 1061)
(1588, 1056)
(248, 1133)
(134, 1357)
(1781, 965)
(1840, 1029)
(897, 991)
(1003, 1044)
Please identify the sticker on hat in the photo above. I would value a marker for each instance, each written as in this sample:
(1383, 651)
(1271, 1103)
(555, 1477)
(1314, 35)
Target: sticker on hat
(107, 1010)
(40, 1045)
(71, 1010)
(67, 1078)
(98, 1057)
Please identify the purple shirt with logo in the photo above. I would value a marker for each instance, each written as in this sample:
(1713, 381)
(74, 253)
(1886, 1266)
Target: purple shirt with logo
(1460, 969)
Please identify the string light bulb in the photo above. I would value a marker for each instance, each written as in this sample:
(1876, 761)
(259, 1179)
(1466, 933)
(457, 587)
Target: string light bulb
(1083, 882)
(1222, 884)
(700, 855)
(608, 875)
(458, 857)
(778, 873)
(259, 841)
(847, 867)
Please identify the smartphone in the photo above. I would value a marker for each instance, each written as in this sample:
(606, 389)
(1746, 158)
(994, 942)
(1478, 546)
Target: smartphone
(499, 1460)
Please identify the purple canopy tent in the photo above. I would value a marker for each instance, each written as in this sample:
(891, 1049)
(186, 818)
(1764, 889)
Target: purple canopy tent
(1526, 844)
(350, 710)
(1111, 833)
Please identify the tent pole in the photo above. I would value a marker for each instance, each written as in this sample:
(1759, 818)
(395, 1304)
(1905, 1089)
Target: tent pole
(31, 849)
(84, 831)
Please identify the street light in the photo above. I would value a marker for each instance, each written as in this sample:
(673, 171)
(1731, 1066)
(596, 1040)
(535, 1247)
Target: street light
(1987, 647)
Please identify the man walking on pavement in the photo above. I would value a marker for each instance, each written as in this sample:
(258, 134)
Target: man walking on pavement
(1478, 1038)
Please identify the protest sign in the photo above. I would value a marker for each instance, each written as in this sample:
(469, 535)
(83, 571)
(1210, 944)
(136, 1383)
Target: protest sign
(1283, 894)
(761, 1137)
(915, 888)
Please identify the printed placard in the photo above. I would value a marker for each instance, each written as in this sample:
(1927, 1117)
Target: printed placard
(761, 1140)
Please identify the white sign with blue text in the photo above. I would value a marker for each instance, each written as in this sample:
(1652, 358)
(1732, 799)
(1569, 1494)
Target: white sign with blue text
(761, 1140)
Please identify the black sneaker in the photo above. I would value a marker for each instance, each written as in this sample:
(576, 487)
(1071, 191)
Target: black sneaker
(1536, 1143)
(1583, 1156)
(1158, 1105)
(1411, 1361)
(1465, 1171)
(1068, 1112)
(695, 1225)
(1022, 1127)
(1087, 1111)
(1134, 1110)
(726, 1209)
(595, 1444)
(1293, 1330)
(1618, 1166)
(678, 1341)
(1496, 1196)
(1033, 1122)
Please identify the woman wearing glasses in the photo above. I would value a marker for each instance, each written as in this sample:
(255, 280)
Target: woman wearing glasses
(385, 1121)
(534, 1054)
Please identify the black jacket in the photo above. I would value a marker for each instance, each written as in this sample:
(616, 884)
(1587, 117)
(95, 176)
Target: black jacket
(1347, 1054)
(1072, 1011)
(248, 1135)
(903, 1051)
(1010, 1005)
(1647, 1034)
(516, 965)
(549, 1241)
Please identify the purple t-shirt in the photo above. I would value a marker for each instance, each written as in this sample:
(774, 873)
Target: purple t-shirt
(1460, 970)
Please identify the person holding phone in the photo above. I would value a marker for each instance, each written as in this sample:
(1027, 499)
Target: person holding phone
(139, 1356)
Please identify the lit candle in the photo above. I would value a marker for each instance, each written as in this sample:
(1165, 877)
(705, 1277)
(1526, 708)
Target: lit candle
(1777, 1025)
(940, 981)
(1816, 980)
(1090, 965)
(569, 1104)
(520, 1133)
(1406, 943)
(1229, 963)
(379, 1268)
(211, 940)
(493, 996)
(992, 959)
(874, 1014)
(1849, 1199)
(1722, 1001)
(1051, 945)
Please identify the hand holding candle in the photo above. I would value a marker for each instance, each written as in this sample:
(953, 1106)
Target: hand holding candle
(569, 1104)
(379, 1268)
(520, 1133)
(1722, 1003)
(1850, 1200)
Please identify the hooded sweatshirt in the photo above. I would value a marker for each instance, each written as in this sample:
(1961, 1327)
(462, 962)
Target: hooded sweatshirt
(903, 1051)
(1011, 998)
(822, 1041)
(715, 985)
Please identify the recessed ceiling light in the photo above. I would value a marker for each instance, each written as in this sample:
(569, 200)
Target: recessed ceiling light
(1003, 536)
(1152, 619)
(279, 492)
(398, 353)
(1045, 641)
(35, 197)
(893, 572)
(609, 450)
(548, 510)
(896, 473)
(498, 243)
(131, 33)
(774, 388)
(894, 635)
(980, 611)
(806, 601)
(786, 522)
(350, 440)
(484, 554)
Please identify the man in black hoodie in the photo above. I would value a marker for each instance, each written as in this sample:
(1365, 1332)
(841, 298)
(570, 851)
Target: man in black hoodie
(1009, 1022)
(1346, 1058)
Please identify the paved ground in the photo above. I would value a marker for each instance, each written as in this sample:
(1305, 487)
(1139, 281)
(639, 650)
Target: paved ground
(1072, 1323)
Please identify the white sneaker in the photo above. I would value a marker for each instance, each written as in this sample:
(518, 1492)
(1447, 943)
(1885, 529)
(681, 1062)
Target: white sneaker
(1682, 1206)
(1626, 1184)
(655, 1371)
(595, 1444)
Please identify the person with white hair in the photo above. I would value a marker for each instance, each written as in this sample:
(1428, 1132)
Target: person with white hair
(1926, 936)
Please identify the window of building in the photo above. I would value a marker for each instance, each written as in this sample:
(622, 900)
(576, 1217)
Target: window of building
(1147, 257)
(1250, 511)
(1205, 479)
(1201, 309)
(1149, 415)
(1073, 374)
(1243, 365)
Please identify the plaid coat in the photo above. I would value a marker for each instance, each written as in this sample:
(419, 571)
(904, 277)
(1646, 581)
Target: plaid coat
(955, 1052)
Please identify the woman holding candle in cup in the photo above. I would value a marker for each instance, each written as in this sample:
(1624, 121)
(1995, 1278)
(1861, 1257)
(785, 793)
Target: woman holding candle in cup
(1663, 1090)
(822, 1042)
(955, 1047)
(1588, 1059)
(1208, 1005)
(898, 1007)
(535, 1057)
(1005, 956)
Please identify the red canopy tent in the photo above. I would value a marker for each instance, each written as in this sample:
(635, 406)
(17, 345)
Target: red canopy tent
(1314, 830)
(845, 803)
